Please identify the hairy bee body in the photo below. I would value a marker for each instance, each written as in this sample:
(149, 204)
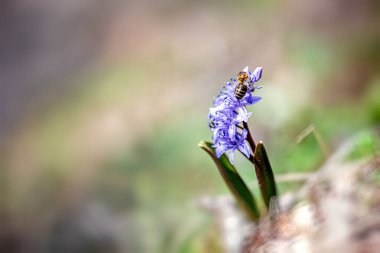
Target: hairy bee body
(240, 90)
(241, 86)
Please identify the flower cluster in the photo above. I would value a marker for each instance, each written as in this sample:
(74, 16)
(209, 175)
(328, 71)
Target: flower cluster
(228, 112)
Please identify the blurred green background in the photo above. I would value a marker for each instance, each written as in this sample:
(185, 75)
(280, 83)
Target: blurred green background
(102, 105)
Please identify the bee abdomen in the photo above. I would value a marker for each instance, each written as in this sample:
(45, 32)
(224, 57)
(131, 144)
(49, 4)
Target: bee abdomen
(240, 91)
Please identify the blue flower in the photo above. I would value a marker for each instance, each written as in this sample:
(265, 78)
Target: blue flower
(228, 112)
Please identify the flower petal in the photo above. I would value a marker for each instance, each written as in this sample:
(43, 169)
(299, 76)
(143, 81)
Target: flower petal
(231, 157)
(232, 131)
(244, 148)
(250, 100)
(243, 115)
(244, 135)
(220, 150)
(213, 110)
(256, 75)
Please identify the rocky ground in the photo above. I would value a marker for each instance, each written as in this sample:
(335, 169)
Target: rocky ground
(337, 210)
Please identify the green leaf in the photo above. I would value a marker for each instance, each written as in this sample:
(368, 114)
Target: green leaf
(233, 180)
(364, 144)
(264, 174)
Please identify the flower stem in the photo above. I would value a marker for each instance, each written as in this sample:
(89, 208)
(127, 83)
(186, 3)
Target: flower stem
(254, 161)
(249, 138)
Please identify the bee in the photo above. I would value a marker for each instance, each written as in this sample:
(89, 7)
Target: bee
(242, 85)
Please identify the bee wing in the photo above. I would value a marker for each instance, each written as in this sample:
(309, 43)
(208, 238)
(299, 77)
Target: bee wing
(250, 86)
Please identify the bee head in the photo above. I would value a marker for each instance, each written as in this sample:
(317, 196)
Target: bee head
(242, 77)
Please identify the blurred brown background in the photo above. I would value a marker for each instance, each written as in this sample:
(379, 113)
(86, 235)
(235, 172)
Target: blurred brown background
(102, 104)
